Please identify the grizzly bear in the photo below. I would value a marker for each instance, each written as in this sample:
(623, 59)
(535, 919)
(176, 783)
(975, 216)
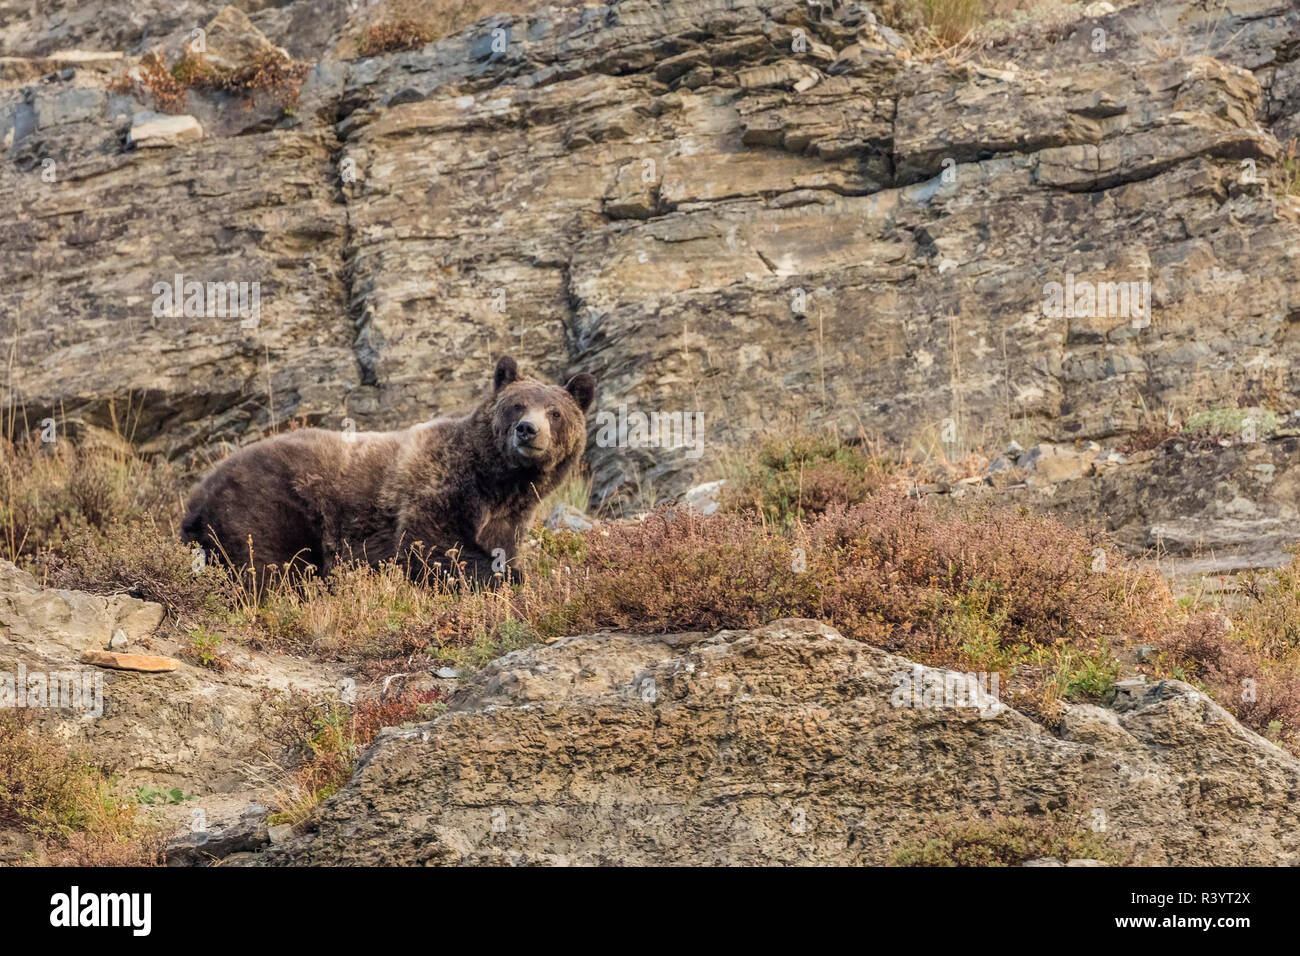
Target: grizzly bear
(453, 493)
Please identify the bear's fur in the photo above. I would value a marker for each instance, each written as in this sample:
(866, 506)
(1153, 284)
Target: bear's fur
(460, 488)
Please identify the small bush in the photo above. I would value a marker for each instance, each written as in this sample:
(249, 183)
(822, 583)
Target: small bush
(1232, 423)
(269, 73)
(1147, 438)
(146, 560)
(168, 90)
(1007, 840)
(1249, 662)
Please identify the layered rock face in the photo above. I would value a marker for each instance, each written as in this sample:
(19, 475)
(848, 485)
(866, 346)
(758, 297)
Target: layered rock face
(763, 213)
(789, 744)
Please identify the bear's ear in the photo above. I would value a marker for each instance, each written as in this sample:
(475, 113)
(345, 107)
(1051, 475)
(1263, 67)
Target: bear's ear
(583, 389)
(507, 372)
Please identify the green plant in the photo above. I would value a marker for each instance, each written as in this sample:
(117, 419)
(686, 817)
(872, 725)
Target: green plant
(1087, 676)
(152, 797)
(1254, 424)
(206, 648)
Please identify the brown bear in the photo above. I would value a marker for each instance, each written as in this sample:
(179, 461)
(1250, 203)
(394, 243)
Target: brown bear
(460, 489)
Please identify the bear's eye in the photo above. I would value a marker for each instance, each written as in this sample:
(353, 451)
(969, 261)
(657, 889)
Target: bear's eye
(516, 407)
(555, 414)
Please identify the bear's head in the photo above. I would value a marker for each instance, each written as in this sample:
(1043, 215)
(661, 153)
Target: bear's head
(536, 425)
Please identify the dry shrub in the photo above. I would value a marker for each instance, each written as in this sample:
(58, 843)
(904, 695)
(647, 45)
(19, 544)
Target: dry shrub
(96, 517)
(394, 36)
(278, 76)
(1249, 662)
(1147, 438)
(66, 803)
(789, 479)
(168, 91)
(410, 24)
(145, 559)
(984, 590)
(878, 571)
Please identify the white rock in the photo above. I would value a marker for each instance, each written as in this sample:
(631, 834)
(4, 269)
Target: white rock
(155, 130)
(704, 498)
(569, 518)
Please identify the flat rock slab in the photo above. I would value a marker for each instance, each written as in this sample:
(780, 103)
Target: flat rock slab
(130, 662)
(151, 131)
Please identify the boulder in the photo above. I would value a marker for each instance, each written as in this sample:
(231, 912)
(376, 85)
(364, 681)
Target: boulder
(232, 42)
(705, 498)
(568, 518)
(171, 725)
(37, 617)
(785, 745)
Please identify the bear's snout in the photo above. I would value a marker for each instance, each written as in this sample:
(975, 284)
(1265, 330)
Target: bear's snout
(531, 438)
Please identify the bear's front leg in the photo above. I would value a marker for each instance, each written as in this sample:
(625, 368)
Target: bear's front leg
(452, 562)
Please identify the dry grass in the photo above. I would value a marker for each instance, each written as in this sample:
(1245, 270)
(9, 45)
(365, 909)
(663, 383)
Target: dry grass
(952, 21)
(397, 25)
(1290, 177)
(394, 36)
(323, 742)
(52, 494)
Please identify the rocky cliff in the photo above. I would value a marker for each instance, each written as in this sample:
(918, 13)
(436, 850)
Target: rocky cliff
(765, 212)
